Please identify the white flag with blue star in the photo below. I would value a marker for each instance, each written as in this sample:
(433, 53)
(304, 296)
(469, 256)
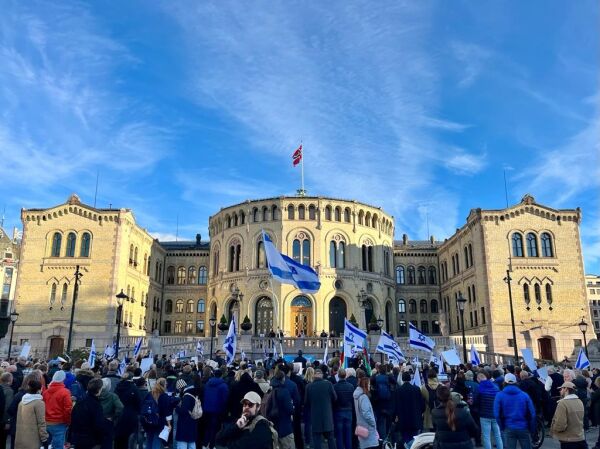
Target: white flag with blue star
(92, 357)
(419, 340)
(353, 339)
(137, 348)
(200, 348)
(230, 344)
(122, 367)
(388, 346)
(582, 360)
(475, 360)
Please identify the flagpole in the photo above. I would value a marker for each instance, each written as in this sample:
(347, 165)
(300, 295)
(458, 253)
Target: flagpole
(303, 192)
(275, 304)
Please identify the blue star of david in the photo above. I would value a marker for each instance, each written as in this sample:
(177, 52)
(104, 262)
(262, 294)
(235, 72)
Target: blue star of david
(350, 338)
(293, 270)
(422, 337)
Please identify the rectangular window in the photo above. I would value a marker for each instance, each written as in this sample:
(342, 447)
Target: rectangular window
(457, 322)
(577, 342)
(23, 341)
(596, 324)
(178, 327)
(402, 329)
(475, 316)
(200, 326)
(595, 313)
(167, 327)
(483, 315)
(88, 342)
(511, 343)
(189, 327)
(471, 318)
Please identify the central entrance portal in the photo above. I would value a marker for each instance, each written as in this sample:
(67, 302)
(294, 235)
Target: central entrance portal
(301, 317)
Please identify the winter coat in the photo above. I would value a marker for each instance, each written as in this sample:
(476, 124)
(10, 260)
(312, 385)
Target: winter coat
(429, 391)
(216, 393)
(112, 407)
(283, 424)
(129, 397)
(383, 405)
(483, 400)
(319, 400)
(409, 407)
(166, 406)
(13, 409)
(301, 386)
(256, 435)
(534, 390)
(187, 428)
(58, 404)
(264, 385)
(365, 418)
(567, 424)
(514, 410)
(595, 408)
(114, 380)
(31, 424)
(88, 425)
(83, 376)
(9, 395)
(445, 437)
(237, 392)
(344, 392)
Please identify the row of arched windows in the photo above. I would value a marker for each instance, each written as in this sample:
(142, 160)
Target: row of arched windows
(411, 276)
(63, 295)
(134, 262)
(412, 306)
(187, 276)
(424, 327)
(71, 245)
(537, 292)
(531, 244)
(191, 306)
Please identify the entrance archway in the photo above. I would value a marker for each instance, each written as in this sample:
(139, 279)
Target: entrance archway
(57, 346)
(301, 322)
(263, 316)
(234, 311)
(368, 311)
(545, 346)
(337, 314)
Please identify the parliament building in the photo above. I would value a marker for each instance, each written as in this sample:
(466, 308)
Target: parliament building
(175, 287)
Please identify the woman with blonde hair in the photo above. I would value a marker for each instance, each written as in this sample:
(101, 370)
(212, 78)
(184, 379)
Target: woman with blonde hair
(309, 377)
(156, 407)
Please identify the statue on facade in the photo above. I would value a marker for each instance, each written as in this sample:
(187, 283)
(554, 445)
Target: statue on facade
(154, 344)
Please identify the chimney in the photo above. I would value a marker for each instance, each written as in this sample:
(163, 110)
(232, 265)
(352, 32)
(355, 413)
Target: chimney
(198, 239)
(404, 239)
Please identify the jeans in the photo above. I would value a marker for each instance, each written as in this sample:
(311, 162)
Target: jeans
(152, 441)
(185, 445)
(316, 438)
(511, 436)
(57, 431)
(383, 420)
(490, 425)
(343, 429)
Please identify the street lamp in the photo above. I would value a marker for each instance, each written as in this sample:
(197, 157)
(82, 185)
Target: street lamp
(380, 324)
(14, 316)
(507, 279)
(461, 302)
(78, 275)
(213, 322)
(121, 297)
(583, 328)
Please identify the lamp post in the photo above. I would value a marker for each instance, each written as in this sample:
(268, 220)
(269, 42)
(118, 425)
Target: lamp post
(460, 302)
(121, 297)
(75, 295)
(507, 279)
(380, 324)
(583, 328)
(237, 296)
(213, 322)
(361, 296)
(14, 316)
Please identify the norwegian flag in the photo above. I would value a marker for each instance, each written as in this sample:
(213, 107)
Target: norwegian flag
(297, 156)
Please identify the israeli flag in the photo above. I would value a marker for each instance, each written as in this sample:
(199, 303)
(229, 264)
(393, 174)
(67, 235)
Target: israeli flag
(433, 358)
(243, 355)
(122, 367)
(137, 348)
(200, 348)
(582, 360)
(181, 354)
(388, 346)
(416, 381)
(288, 271)
(109, 352)
(230, 344)
(92, 357)
(419, 340)
(353, 338)
(475, 360)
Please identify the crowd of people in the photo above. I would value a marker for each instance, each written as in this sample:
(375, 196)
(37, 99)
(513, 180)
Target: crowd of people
(278, 404)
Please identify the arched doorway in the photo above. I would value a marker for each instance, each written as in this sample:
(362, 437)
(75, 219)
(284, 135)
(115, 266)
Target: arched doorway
(301, 316)
(337, 314)
(368, 311)
(263, 316)
(545, 345)
(388, 316)
(57, 346)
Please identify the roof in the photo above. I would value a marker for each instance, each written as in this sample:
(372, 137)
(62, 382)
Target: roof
(418, 244)
(184, 244)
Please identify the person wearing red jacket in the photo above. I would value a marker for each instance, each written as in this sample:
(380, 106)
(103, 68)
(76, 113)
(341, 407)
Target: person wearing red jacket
(58, 409)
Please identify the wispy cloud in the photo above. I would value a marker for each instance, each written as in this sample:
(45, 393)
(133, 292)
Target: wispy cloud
(472, 59)
(465, 163)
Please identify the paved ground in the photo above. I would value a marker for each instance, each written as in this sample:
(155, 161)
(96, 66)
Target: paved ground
(591, 438)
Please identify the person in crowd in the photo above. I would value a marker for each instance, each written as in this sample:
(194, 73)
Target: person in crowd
(6, 380)
(309, 377)
(319, 400)
(454, 426)
(89, 428)
(383, 385)
(498, 375)
(113, 375)
(186, 430)
(31, 430)
(366, 427)
(483, 402)
(250, 430)
(409, 407)
(18, 375)
(342, 411)
(301, 359)
(259, 378)
(515, 414)
(216, 393)
(533, 388)
(285, 408)
(428, 390)
(238, 390)
(112, 407)
(14, 406)
(58, 404)
(128, 424)
(594, 408)
(567, 424)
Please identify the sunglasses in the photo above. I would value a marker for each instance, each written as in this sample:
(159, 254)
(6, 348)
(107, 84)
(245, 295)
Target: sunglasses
(248, 404)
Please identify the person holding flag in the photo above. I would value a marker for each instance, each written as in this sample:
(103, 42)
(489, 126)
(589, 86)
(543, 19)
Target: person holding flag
(388, 346)
(419, 340)
(92, 357)
(409, 408)
(353, 340)
(230, 344)
(137, 348)
(475, 360)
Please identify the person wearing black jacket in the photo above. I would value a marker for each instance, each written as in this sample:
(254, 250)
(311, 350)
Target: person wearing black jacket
(251, 430)
(454, 426)
(409, 406)
(88, 426)
(237, 391)
(342, 411)
(129, 421)
(299, 407)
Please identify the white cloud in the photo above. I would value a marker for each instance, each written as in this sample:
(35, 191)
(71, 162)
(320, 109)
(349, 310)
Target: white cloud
(472, 59)
(461, 162)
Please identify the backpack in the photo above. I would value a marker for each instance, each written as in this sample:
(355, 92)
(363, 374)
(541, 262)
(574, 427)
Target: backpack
(149, 415)
(274, 434)
(271, 407)
(383, 388)
(196, 412)
(433, 400)
(77, 391)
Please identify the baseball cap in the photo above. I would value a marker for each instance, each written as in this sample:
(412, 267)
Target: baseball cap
(510, 379)
(252, 397)
(570, 385)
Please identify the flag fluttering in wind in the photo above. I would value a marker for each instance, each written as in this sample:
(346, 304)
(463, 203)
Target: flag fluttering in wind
(419, 340)
(288, 271)
(365, 356)
(137, 348)
(230, 344)
(297, 156)
(243, 355)
(353, 338)
(92, 357)
(582, 360)
(475, 360)
(200, 348)
(122, 367)
(109, 352)
(388, 346)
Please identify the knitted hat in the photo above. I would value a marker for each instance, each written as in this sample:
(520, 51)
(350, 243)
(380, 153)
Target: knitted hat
(59, 376)
(181, 384)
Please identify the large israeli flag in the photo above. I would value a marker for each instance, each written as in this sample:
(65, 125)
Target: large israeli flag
(287, 271)
(475, 360)
(353, 339)
(137, 348)
(230, 344)
(582, 360)
(92, 357)
(419, 340)
(388, 346)
(122, 367)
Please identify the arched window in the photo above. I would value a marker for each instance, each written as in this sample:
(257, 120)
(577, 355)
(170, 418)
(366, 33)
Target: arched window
(296, 250)
(301, 251)
(274, 213)
(333, 254)
(517, 245)
(421, 271)
(432, 276)
(306, 252)
(423, 306)
(470, 255)
(264, 316)
(192, 275)
(547, 245)
(412, 306)
(202, 276)
(312, 212)
(549, 294)
(361, 217)
(53, 294)
(260, 255)
(181, 276)
(434, 306)
(411, 275)
(178, 327)
(235, 219)
(537, 292)
(265, 213)
(338, 214)
(190, 306)
(130, 254)
(466, 251)
(400, 275)
(170, 275)
(347, 215)
(526, 296)
(328, 213)
(341, 255)
(179, 306)
(255, 218)
(532, 249)
(63, 296)
(168, 306)
(425, 327)
(201, 306)
(145, 264)
(135, 257)
(301, 212)
(235, 250)
(71, 240)
(401, 306)
(56, 242)
(227, 222)
(291, 212)
(367, 258)
(86, 241)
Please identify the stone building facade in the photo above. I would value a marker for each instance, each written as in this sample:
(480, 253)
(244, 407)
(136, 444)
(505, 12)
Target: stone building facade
(592, 286)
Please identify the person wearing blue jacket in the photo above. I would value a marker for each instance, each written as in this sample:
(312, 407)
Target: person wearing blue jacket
(216, 393)
(483, 402)
(283, 422)
(515, 414)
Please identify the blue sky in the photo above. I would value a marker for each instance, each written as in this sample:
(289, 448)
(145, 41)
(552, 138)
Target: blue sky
(416, 106)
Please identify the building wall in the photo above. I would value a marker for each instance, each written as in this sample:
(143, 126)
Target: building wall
(592, 286)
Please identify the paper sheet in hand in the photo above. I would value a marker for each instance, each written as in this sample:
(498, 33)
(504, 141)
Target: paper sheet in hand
(528, 358)
(451, 357)
(25, 350)
(164, 434)
(146, 364)
(543, 373)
